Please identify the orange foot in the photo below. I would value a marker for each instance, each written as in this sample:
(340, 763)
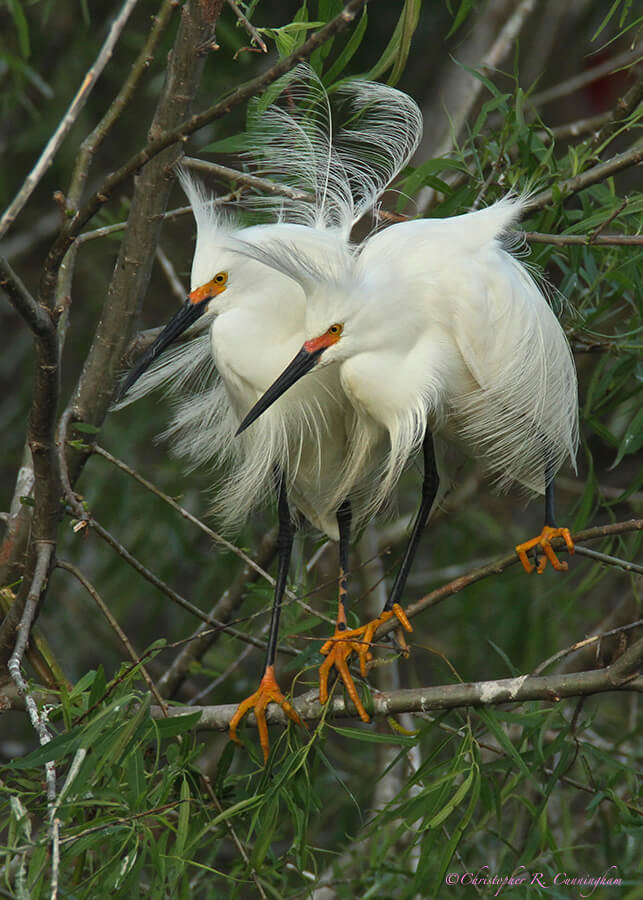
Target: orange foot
(544, 542)
(268, 692)
(338, 649)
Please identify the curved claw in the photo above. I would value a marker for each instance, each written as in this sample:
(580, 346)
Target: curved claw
(267, 692)
(544, 542)
(370, 629)
(338, 649)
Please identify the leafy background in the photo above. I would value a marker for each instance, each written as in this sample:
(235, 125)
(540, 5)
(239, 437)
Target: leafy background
(150, 806)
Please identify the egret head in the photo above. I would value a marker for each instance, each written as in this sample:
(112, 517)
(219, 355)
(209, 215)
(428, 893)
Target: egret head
(331, 335)
(198, 302)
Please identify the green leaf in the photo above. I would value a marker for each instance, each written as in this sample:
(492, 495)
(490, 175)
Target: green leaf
(22, 27)
(236, 143)
(454, 802)
(463, 11)
(348, 52)
(496, 729)
(397, 50)
(99, 686)
(375, 737)
(184, 817)
(174, 725)
(85, 427)
(632, 439)
(615, 5)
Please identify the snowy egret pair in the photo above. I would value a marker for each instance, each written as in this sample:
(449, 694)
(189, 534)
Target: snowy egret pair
(346, 360)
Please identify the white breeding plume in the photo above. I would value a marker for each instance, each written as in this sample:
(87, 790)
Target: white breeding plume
(256, 317)
(432, 327)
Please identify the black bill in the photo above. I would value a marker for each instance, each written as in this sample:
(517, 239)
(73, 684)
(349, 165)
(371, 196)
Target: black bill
(301, 364)
(179, 323)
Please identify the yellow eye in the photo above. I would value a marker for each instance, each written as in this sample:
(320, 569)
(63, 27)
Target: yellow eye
(220, 278)
(335, 329)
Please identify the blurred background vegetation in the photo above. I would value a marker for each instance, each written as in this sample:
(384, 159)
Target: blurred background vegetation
(383, 810)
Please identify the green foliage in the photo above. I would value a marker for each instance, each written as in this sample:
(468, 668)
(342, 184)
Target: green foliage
(151, 806)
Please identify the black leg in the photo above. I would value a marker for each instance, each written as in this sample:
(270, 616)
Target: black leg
(344, 518)
(284, 550)
(550, 500)
(430, 484)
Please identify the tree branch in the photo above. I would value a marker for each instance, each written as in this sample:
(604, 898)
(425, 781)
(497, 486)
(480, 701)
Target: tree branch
(600, 172)
(24, 304)
(563, 240)
(68, 120)
(179, 133)
(498, 566)
(549, 688)
(113, 624)
(263, 184)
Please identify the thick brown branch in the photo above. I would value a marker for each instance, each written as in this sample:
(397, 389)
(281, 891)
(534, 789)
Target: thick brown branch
(128, 286)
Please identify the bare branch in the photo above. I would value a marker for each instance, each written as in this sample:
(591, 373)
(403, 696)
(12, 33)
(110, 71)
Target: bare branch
(597, 173)
(22, 301)
(68, 120)
(173, 595)
(495, 568)
(563, 240)
(141, 65)
(180, 132)
(93, 393)
(213, 535)
(133, 655)
(263, 184)
(252, 31)
(550, 688)
(586, 642)
(610, 560)
(564, 88)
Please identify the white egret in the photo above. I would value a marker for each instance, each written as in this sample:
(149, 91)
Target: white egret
(434, 327)
(255, 320)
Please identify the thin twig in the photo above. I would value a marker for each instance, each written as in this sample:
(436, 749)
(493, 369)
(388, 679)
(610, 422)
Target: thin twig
(233, 834)
(169, 271)
(562, 240)
(133, 655)
(176, 135)
(215, 536)
(564, 88)
(252, 31)
(597, 232)
(499, 565)
(47, 156)
(243, 178)
(22, 301)
(586, 642)
(94, 140)
(595, 174)
(173, 595)
(44, 555)
(624, 564)
(179, 212)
